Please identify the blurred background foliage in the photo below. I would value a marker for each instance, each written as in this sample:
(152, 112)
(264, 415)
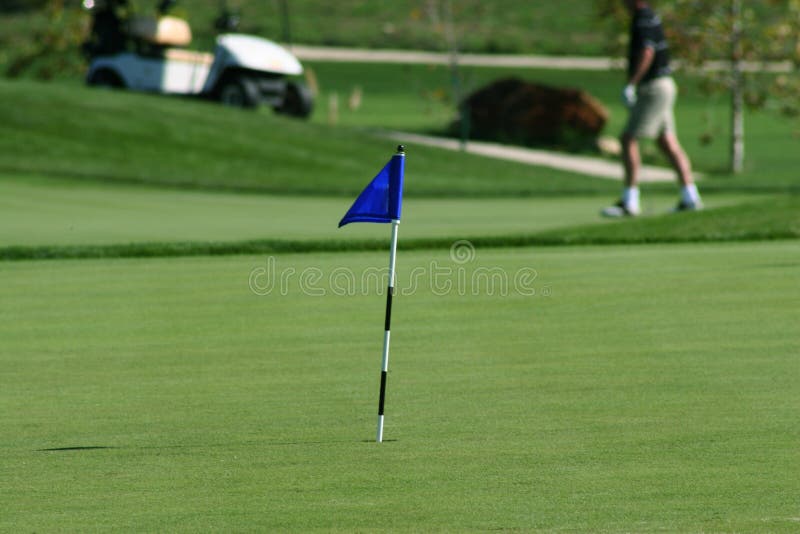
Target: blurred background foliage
(41, 38)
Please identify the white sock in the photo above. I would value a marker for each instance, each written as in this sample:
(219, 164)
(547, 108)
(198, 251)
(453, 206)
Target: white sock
(630, 197)
(690, 194)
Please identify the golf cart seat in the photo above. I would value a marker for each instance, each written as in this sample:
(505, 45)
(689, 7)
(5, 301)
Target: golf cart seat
(189, 56)
(163, 31)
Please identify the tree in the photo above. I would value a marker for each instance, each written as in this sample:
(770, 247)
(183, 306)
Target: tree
(750, 50)
(49, 49)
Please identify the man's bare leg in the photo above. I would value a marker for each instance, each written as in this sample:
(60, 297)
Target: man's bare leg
(677, 157)
(690, 198)
(631, 160)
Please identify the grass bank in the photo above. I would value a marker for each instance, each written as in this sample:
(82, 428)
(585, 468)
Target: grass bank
(92, 135)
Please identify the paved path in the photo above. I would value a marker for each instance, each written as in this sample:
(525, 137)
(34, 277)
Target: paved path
(322, 53)
(585, 165)
(319, 53)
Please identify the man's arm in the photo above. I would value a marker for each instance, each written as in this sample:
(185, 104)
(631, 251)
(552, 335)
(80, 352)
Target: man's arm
(643, 65)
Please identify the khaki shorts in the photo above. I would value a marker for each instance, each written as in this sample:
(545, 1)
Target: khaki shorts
(653, 112)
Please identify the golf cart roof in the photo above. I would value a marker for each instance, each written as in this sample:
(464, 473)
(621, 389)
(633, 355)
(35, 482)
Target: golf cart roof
(166, 31)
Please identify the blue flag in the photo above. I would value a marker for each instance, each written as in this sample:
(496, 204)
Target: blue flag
(381, 200)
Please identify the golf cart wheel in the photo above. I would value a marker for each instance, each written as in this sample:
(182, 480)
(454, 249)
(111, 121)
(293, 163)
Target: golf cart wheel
(107, 79)
(239, 92)
(297, 102)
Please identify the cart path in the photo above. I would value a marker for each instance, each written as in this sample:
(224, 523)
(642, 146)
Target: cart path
(586, 165)
(321, 53)
(340, 54)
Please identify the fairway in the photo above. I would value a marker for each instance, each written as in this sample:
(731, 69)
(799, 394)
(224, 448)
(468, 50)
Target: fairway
(613, 389)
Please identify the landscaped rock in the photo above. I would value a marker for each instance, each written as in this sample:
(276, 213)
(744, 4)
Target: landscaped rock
(515, 111)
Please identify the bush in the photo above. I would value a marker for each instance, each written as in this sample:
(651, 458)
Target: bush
(49, 47)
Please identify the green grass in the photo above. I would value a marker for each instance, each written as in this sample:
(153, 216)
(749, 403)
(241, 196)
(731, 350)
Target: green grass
(41, 218)
(193, 144)
(513, 26)
(644, 388)
(91, 134)
(773, 218)
(39, 211)
(614, 388)
(181, 144)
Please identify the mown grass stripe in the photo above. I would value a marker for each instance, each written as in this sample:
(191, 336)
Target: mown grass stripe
(776, 218)
(151, 250)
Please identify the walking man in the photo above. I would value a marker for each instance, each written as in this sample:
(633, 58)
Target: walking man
(650, 97)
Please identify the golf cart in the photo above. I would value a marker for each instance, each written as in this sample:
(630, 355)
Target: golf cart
(149, 54)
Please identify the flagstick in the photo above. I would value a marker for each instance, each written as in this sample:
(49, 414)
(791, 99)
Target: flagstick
(387, 328)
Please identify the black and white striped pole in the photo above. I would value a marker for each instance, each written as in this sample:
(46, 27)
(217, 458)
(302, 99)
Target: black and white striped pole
(381, 202)
(387, 326)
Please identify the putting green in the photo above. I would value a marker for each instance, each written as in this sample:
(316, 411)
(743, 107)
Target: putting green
(643, 388)
(40, 211)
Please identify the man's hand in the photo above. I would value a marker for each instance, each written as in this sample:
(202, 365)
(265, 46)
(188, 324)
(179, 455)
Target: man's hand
(629, 95)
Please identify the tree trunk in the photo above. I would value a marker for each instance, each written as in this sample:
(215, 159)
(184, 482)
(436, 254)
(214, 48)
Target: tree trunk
(737, 89)
(452, 43)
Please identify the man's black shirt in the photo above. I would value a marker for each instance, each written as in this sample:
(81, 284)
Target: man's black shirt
(647, 32)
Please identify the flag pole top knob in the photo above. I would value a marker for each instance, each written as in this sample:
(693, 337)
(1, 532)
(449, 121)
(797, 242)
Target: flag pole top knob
(401, 149)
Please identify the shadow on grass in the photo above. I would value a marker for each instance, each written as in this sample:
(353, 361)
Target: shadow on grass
(82, 448)
(288, 443)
